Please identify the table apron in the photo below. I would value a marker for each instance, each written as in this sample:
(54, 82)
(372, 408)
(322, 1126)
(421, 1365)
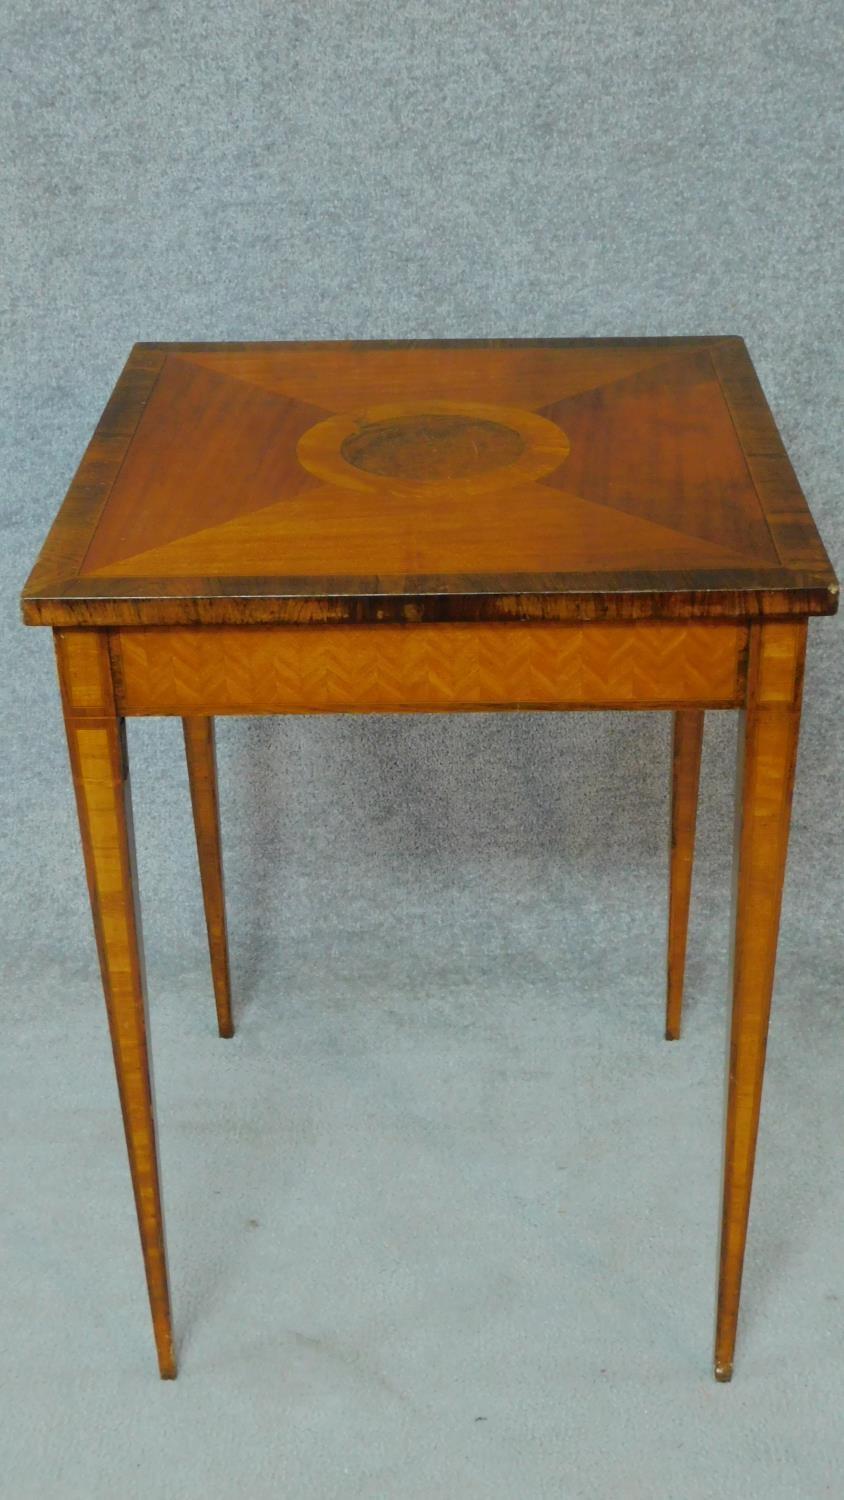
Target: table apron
(427, 668)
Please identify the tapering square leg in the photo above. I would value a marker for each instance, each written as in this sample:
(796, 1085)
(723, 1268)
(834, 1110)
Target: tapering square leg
(202, 773)
(767, 757)
(685, 779)
(96, 741)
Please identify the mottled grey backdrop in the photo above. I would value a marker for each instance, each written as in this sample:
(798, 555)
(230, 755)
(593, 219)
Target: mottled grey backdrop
(442, 1217)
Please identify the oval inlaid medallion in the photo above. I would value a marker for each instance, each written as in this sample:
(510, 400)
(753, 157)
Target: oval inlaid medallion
(432, 447)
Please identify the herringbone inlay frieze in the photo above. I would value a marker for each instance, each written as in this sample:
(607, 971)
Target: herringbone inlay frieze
(304, 669)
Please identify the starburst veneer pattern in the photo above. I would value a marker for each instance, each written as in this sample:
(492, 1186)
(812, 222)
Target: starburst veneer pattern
(446, 481)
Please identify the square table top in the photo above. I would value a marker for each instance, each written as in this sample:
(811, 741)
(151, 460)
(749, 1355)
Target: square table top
(459, 480)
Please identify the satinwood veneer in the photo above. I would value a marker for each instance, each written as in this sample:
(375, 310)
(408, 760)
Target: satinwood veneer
(427, 527)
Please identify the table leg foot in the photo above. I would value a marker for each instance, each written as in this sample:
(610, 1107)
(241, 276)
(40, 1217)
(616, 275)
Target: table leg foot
(166, 1357)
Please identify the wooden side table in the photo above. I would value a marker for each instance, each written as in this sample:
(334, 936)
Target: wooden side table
(428, 527)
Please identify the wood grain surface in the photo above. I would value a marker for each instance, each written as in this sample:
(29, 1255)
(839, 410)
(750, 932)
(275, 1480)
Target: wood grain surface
(101, 781)
(685, 776)
(200, 750)
(767, 759)
(407, 482)
(390, 668)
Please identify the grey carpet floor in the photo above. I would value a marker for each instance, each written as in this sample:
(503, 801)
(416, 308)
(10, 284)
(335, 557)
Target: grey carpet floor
(442, 1216)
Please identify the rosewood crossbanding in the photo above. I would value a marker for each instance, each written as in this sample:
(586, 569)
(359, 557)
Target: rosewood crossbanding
(435, 527)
